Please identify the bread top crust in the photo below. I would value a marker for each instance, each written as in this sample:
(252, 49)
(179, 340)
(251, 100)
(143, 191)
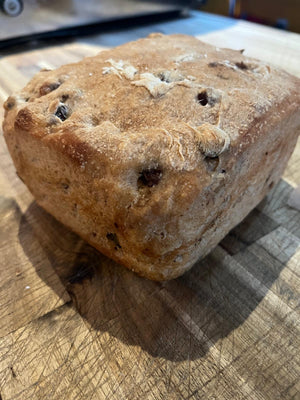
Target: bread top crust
(164, 102)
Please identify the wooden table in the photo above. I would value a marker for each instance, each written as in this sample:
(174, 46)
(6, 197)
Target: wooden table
(75, 325)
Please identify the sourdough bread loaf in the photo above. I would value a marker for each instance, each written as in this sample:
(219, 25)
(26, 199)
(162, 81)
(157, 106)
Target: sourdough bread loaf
(154, 150)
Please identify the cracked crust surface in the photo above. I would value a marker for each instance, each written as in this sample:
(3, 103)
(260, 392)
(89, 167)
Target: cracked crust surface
(154, 150)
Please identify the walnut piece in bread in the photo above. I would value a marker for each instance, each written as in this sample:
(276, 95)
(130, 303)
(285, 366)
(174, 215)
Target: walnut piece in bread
(154, 150)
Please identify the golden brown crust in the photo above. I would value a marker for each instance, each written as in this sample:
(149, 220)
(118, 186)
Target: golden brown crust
(154, 150)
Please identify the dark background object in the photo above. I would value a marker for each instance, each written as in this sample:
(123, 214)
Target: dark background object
(13, 8)
(283, 14)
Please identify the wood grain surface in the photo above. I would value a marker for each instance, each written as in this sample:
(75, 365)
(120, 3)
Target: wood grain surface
(75, 325)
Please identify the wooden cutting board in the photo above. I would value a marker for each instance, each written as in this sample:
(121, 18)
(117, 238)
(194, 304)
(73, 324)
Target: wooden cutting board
(75, 325)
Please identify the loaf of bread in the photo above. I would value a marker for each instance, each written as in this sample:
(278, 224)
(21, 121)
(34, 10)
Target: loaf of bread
(153, 151)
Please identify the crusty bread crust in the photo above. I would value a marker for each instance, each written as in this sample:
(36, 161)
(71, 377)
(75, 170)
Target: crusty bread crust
(154, 150)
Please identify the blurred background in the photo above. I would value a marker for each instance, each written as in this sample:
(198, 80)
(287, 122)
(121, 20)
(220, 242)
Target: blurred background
(283, 14)
(22, 21)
